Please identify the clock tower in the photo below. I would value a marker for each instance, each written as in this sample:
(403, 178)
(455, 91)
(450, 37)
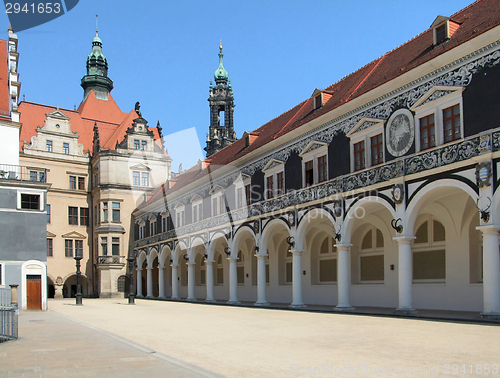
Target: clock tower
(221, 132)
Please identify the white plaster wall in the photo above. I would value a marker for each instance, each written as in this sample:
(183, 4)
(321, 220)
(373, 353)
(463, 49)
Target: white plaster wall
(9, 145)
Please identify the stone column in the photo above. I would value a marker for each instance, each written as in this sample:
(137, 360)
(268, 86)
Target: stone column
(491, 272)
(191, 296)
(161, 281)
(175, 282)
(405, 274)
(149, 279)
(233, 281)
(297, 279)
(343, 277)
(139, 283)
(209, 280)
(261, 280)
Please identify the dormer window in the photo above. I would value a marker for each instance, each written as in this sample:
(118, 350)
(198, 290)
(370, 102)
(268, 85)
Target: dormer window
(318, 102)
(443, 29)
(320, 97)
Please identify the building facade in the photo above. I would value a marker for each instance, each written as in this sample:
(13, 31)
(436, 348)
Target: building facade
(23, 198)
(100, 163)
(378, 191)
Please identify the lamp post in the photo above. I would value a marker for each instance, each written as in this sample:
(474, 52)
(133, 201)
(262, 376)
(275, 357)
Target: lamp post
(131, 263)
(78, 257)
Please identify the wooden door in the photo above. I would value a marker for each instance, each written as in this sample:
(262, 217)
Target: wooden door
(34, 292)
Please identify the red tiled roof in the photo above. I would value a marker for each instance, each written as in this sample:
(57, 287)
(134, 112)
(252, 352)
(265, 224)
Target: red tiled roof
(111, 121)
(474, 20)
(4, 81)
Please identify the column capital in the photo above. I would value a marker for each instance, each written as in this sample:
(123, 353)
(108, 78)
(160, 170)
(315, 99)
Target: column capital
(190, 263)
(209, 262)
(296, 252)
(260, 257)
(404, 239)
(231, 258)
(342, 245)
(488, 228)
(174, 265)
(149, 268)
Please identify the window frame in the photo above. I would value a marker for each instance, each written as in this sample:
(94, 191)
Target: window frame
(374, 250)
(69, 248)
(430, 246)
(47, 210)
(311, 153)
(49, 146)
(271, 171)
(50, 247)
(34, 192)
(196, 209)
(65, 148)
(73, 216)
(423, 107)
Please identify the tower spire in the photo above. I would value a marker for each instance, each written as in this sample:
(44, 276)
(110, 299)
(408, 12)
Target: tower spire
(221, 132)
(97, 25)
(97, 79)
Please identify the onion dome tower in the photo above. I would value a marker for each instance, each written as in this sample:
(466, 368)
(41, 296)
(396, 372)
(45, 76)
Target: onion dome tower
(221, 132)
(97, 79)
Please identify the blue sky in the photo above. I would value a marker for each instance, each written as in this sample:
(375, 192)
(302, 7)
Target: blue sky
(163, 53)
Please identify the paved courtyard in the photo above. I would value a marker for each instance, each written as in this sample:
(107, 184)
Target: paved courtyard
(107, 338)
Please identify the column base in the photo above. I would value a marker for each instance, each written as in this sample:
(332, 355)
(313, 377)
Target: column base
(298, 305)
(210, 300)
(162, 297)
(233, 302)
(191, 300)
(343, 308)
(261, 304)
(490, 315)
(149, 296)
(175, 298)
(406, 311)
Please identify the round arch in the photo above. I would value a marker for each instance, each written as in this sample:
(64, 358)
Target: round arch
(426, 194)
(165, 252)
(308, 221)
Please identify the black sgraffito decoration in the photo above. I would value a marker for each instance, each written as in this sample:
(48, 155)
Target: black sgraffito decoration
(25, 14)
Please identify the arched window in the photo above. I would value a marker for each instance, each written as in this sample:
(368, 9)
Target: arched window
(371, 257)
(327, 262)
(219, 271)
(240, 269)
(429, 257)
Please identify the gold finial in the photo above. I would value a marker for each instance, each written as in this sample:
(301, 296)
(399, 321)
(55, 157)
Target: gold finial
(97, 25)
(220, 45)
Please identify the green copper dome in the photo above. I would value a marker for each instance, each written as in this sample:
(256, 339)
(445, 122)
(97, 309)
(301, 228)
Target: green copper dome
(221, 73)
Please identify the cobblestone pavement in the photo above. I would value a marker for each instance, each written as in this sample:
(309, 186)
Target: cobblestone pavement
(106, 338)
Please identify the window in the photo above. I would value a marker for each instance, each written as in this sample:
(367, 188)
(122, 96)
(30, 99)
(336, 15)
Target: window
(95, 215)
(427, 132)
(137, 145)
(79, 248)
(439, 116)
(72, 182)
(377, 150)
(429, 257)
(197, 210)
(47, 208)
(104, 211)
(164, 221)
(327, 262)
(441, 34)
(136, 178)
(219, 271)
(451, 123)
(48, 146)
(115, 246)
(68, 248)
(73, 215)
(269, 187)
(81, 183)
(371, 257)
(248, 193)
(274, 178)
(142, 229)
(116, 211)
(359, 156)
(50, 247)
(280, 184)
(314, 163)
(30, 201)
(144, 145)
(104, 246)
(180, 216)
(152, 227)
(33, 176)
(218, 205)
(322, 169)
(309, 173)
(66, 148)
(84, 216)
(240, 269)
(2, 274)
(317, 102)
(145, 178)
